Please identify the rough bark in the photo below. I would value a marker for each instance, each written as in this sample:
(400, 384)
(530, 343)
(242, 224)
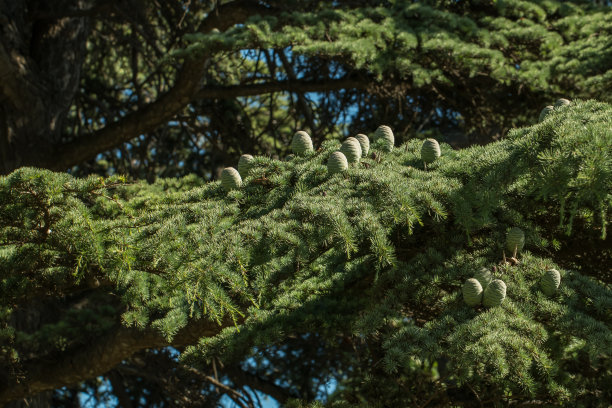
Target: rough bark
(40, 60)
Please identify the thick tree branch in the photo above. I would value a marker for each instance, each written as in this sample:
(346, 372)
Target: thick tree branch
(233, 394)
(157, 113)
(99, 357)
(232, 91)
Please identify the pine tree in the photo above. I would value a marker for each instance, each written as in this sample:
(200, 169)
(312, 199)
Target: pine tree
(300, 276)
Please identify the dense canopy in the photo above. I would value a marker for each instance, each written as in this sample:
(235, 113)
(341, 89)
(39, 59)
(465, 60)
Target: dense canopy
(300, 276)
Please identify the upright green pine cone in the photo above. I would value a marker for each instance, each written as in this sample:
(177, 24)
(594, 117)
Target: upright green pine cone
(545, 112)
(550, 282)
(244, 164)
(515, 239)
(430, 150)
(364, 142)
(337, 163)
(472, 292)
(351, 149)
(385, 133)
(230, 179)
(301, 143)
(494, 294)
(483, 276)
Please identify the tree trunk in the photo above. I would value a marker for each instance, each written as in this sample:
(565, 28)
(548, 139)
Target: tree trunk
(41, 54)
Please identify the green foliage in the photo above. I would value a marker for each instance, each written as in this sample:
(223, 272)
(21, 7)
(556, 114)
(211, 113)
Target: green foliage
(374, 257)
(554, 43)
(515, 240)
(571, 154)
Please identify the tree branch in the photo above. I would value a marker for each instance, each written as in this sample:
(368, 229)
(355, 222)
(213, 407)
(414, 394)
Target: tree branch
(232, 91)
(99, 357)
(243, 378)
(232, 393)
(152, 116)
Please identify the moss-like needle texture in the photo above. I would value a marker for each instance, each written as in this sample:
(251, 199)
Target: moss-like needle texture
(376, 257)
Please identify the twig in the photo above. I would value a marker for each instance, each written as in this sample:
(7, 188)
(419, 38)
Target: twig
(215, 371)
(233, 394)
(475, 393)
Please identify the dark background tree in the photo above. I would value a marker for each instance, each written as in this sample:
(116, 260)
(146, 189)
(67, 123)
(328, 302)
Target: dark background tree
(163, 89)
(114, 87)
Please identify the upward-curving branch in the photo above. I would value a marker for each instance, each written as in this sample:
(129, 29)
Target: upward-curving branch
(160, 111)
